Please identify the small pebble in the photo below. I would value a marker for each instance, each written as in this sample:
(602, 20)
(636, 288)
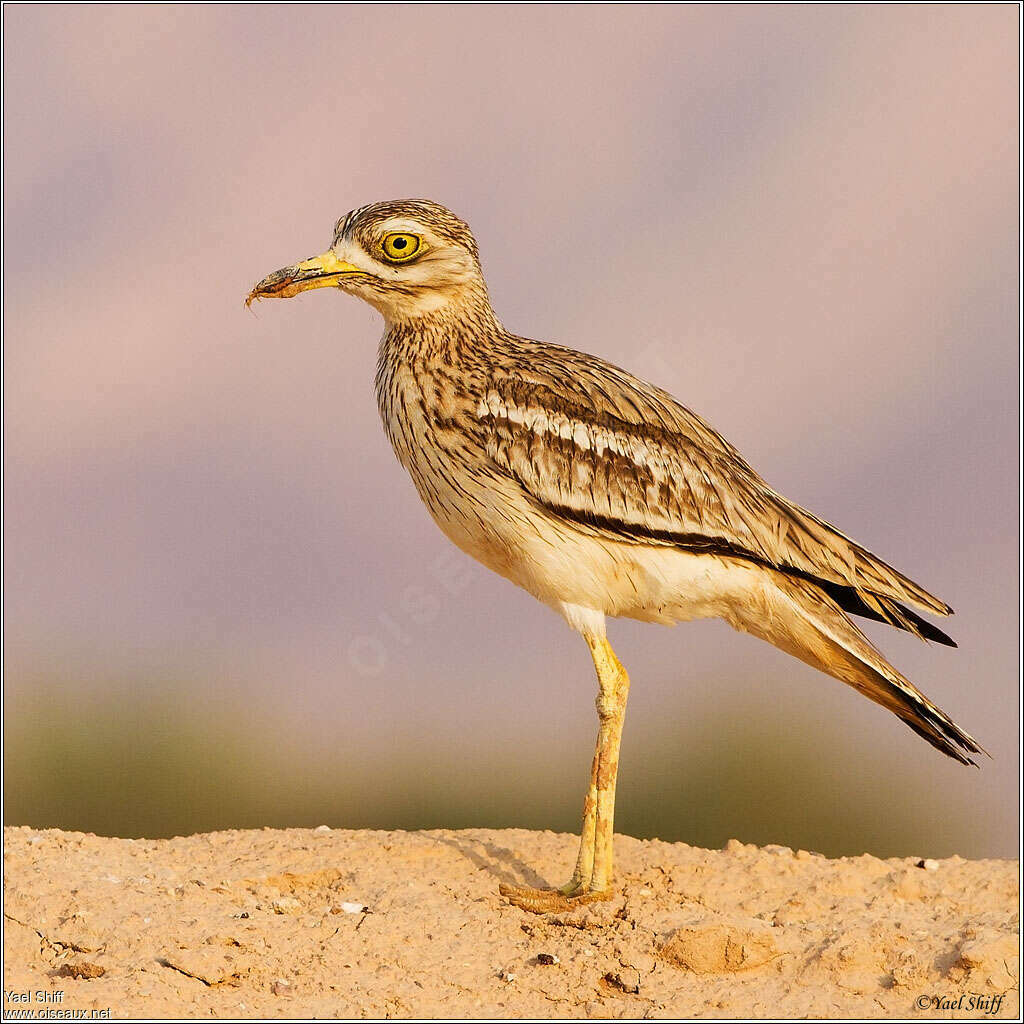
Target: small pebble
(353, 908)
(322, 828)
(928, 864)
(81, 969)
(508, 976)
(626, 979)
(547, 958)
(286, 905)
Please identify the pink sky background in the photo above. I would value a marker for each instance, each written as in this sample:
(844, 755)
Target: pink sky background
(802, 221)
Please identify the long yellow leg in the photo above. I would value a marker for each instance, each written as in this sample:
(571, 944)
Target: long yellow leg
(611, 711)
(592, 879)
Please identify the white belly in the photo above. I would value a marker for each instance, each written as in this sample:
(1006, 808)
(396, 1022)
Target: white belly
(577, 573)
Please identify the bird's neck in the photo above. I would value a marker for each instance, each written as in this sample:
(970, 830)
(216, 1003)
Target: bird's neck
(452, 334)
(428, 369)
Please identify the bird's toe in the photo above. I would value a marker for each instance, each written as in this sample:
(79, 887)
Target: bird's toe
(551, 901)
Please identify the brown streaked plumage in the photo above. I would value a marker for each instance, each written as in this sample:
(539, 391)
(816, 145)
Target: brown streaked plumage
(600, 494)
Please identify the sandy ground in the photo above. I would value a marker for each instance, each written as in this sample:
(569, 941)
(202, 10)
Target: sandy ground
(329, 923)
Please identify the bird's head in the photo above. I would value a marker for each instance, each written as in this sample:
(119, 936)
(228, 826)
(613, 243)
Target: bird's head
(407, 258)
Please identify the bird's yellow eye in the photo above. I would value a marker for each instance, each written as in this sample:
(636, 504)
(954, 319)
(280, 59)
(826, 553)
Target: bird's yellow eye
(399, 247)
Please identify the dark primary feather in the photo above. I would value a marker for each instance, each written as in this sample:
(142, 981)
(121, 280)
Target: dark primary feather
(898, 615)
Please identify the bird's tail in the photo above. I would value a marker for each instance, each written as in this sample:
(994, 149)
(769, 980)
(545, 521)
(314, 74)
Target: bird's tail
(804, 621)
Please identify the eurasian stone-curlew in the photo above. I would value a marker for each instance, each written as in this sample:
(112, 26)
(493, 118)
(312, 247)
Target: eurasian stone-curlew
(600, 494)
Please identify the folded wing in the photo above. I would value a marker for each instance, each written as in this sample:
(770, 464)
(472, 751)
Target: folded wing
(615, 455)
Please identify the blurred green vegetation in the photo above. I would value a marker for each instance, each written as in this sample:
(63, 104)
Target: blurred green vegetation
(153, 761)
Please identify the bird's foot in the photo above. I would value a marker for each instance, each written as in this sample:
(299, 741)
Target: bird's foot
(553, 901)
